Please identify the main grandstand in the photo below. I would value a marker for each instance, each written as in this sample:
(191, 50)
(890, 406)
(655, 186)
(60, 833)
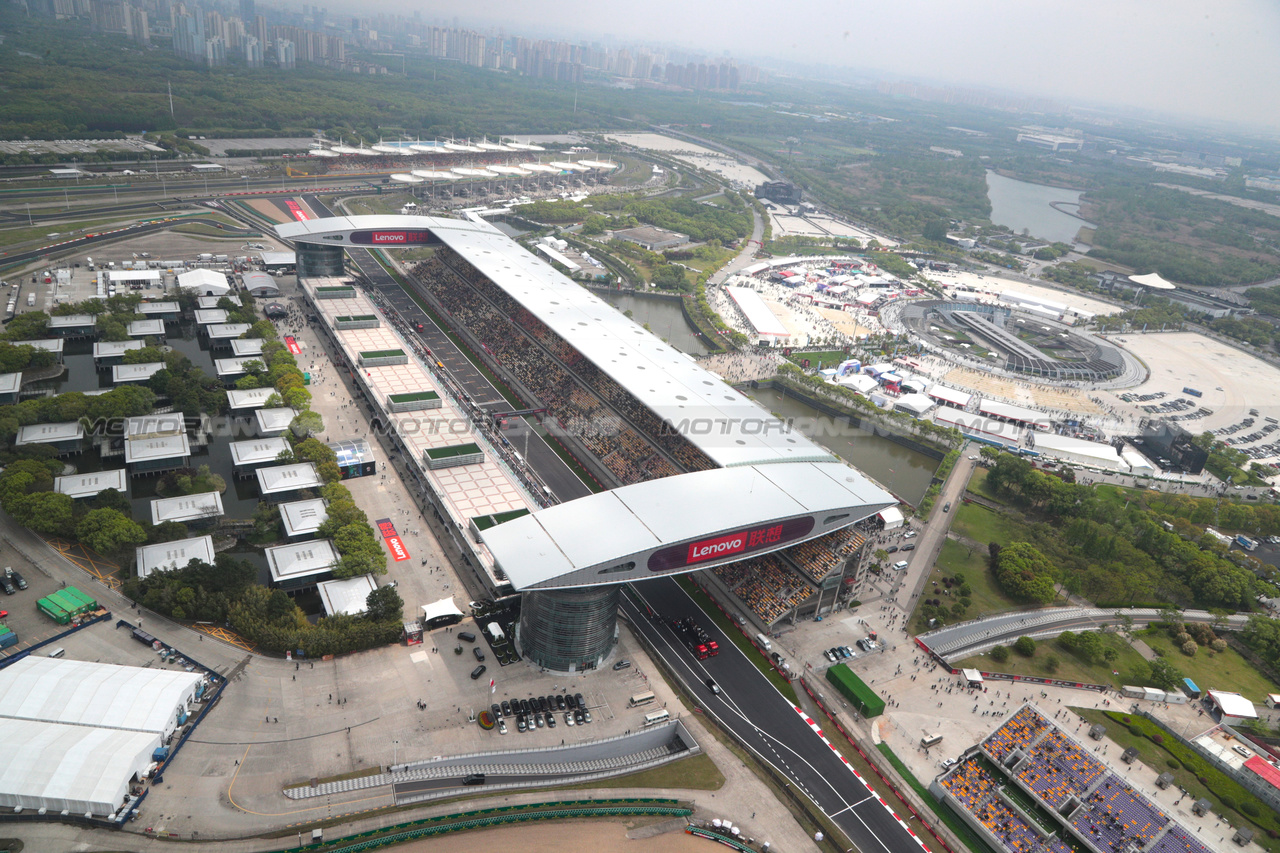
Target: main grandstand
(1027, 343)
(683, 452)
(1029, 786)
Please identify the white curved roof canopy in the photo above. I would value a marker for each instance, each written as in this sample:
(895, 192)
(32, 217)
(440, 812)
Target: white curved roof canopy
(728, 427)
(1153, 281)
(679, 524)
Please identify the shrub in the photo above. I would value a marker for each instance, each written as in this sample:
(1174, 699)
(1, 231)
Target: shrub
(1218, 645)
(1051, 664)
(1025, 646)
(1174, 764)
(1136, 731)
(1182, 638)
(1000, 654)
(1157, 738)
(1189, 648)
(1229, 803)
(1249, 808)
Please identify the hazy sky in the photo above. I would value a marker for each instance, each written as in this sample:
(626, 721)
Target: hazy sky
(1212, 58)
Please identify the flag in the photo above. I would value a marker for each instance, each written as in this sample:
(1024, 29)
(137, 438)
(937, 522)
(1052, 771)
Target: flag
(492, 688)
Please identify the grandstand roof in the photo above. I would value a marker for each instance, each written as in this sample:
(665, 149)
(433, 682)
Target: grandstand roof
(651, 527)
(1153, 281)
(85, 693)
(670, 383)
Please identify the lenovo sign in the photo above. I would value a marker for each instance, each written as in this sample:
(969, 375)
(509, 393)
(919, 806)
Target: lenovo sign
(393, 238)
(388, 530)
(765, 537)
(721, 546)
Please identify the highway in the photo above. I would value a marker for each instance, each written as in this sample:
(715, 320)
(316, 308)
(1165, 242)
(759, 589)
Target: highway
(764, 720)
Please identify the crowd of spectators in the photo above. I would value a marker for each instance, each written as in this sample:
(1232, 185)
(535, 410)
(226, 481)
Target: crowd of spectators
(817, 558)
(511, 340)
(765, 585)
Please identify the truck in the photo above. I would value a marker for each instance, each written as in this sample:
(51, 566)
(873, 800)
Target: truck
(31, 299)
(1245, 542)
(7, 637)
(695, 638)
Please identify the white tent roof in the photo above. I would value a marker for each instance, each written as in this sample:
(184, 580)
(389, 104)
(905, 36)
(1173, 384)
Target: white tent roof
(346, 596)
(973, 676)
(757, 312)
(1153, 281)
(1014, 413)
(439, 609)
(205, 281)
(950, 395)
(1233, 704)
(917, 404)
(84, 693)
(80, 769)
(892, 517)
(1091, 451)
(860, 382)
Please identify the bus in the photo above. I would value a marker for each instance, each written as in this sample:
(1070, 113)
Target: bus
(930, 740)
(655, 718)
(641, 699)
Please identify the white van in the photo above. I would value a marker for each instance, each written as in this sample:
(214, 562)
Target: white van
(58, 652)
(764, 643)
(900, 566)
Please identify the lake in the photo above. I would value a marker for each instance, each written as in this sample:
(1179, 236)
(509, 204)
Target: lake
(903, 471)
(663, 317)
(1019, 204)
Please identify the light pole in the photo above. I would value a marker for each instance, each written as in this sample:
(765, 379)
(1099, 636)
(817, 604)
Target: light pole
(29, 221)
(395, 754)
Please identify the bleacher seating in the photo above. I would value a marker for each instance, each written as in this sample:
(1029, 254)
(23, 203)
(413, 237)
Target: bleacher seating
(976, 790)
(1114, 814)
(1018, 731)
(1057, 768)
(1178, 840)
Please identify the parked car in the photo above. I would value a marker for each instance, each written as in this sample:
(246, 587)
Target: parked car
(479, 654)
(17, 578)
(622, 664)
(891, 549)
(477, 672)
(560, 703)
(502, 727)
(568, 718)
(910, 546)
(9, 588)
(467, 635)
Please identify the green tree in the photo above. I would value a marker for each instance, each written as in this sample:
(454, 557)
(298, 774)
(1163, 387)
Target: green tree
(1025, 646)
(1000, 654)
(109, 532)
(1024, 573)
(384, 604)
(935, 230)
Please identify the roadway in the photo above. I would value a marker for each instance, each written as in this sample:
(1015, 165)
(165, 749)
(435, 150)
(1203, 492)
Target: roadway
(553, 471)
(115, 234)
(763, 720)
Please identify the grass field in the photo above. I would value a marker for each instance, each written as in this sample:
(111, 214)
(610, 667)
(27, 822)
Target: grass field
(825, 358)
(972, 563)
(978, 485)
(698, 772)
(984, 525)
(1212, 670)
(1132, 668)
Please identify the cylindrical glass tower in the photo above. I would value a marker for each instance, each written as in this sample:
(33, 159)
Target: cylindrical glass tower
(315, 261)
(569, 630)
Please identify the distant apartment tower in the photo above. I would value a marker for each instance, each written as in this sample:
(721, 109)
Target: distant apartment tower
(188, 34)
(215, 52)
(286, 55)
(253, 53)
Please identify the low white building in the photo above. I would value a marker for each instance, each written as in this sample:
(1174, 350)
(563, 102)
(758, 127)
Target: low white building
(187, 508)
(1078, 451)
(348, 596)
(167, 556)
(204, 282)
(301, 564)
(78, 486)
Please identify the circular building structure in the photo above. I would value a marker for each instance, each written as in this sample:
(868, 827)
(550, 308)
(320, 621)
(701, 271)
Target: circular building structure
(1020, 340)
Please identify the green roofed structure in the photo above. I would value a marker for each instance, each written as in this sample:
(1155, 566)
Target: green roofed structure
(448, 457)
(335, 292)
(855, 690)
(383, 358)
(484, 522)
(357, 321)
(414, 401)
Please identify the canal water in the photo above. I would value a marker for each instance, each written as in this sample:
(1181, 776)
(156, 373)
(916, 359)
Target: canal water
(903, 471)
(663, 317)
(1019, 204)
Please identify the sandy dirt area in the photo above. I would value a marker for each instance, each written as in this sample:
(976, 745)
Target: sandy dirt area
(1023, 393)
(596, 836)
(996, 285)
(658, 142)
(268, 209)
(843, 321)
